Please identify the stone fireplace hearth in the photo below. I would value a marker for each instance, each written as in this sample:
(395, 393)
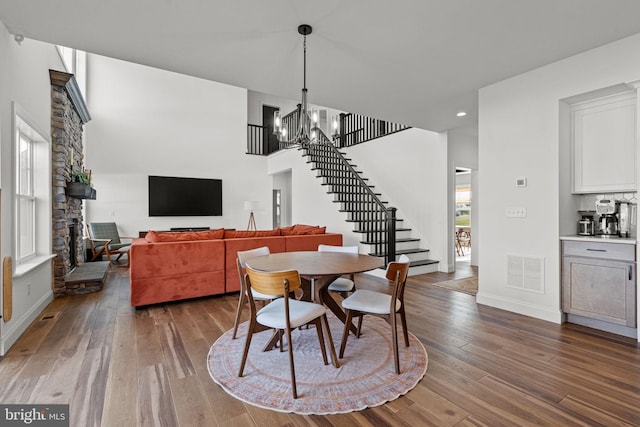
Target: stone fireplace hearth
(68, 115)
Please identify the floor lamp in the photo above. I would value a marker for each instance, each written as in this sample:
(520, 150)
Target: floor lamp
(250, 206)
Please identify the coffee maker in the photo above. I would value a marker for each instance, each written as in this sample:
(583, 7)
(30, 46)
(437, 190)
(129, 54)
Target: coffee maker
(626, 218)
(586, 225)
(608, 217)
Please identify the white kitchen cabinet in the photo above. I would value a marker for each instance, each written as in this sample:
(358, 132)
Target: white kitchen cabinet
(599, 281)
(603, 136)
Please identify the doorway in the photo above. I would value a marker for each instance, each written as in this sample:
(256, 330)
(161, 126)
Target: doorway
(269, 139)
(463, 213)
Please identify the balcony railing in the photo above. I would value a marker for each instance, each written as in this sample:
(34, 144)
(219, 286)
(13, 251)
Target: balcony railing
(352, 129)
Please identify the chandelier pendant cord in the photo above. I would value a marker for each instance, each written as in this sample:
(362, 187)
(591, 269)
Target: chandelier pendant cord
(302, 136)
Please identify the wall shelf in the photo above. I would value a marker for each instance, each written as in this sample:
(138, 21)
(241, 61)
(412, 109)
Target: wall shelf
(79, 190)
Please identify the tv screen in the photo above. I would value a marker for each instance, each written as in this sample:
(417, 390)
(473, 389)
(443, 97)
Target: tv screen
(172, 196)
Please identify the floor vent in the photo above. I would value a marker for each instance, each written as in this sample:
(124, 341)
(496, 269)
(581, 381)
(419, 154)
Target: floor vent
(526, 273)
(49, 316)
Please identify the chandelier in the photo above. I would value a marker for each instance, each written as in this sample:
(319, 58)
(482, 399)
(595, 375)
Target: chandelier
(304, 134)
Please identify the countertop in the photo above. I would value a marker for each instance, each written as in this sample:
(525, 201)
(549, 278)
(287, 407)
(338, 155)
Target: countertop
(601, 238)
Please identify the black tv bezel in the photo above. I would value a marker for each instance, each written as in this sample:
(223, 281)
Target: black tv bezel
(155, 211)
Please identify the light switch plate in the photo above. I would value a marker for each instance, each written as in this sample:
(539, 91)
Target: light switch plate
(521, 181)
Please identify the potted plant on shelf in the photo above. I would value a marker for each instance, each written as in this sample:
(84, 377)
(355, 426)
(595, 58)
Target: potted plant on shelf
(80, 185)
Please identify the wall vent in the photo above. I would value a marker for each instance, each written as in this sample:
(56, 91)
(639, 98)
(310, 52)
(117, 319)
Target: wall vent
(525, 273)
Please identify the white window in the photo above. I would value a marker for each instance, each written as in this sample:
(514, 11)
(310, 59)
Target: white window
(32, 190)
(26, 201)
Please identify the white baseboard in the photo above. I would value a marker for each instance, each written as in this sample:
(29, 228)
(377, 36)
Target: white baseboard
(9, 337)
(520, 307)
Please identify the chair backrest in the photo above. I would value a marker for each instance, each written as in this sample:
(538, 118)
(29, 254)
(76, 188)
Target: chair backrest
(402, 265)
(241, 261)
(104, 230)
(345, 249)
(243, 256)
(398, 270)
(273, 282)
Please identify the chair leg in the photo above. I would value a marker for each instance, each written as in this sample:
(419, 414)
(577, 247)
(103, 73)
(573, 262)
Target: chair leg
(394, 336)
(403, 320)
(359, 325)
(238, 312)
(345, 333)
(252, 324)
(332, 348)
(323, 349)
(293, 370)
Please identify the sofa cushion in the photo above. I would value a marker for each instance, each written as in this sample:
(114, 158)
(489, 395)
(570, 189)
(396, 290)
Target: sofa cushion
(239, 234)
(310, 242)
(302, 229)
(183, 236)
(286, 231)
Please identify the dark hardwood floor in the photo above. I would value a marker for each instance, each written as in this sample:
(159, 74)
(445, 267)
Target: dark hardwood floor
(117, 366)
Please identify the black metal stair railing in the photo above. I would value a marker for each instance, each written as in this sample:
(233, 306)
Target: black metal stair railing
(290, 123)
(355, 129)
(374, 219)
(257, 137)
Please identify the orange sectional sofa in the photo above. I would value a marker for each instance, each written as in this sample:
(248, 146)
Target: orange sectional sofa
(170, 266)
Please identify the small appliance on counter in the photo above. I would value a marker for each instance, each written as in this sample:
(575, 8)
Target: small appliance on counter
(608, 218)
(587, 225)
(626, 218)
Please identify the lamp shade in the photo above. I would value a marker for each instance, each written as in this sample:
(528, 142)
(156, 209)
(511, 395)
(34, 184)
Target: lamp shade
(250, 205)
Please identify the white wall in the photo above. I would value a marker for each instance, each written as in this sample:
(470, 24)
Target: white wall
(147, 121)
(409, 168)
(519, 134)
(24, 79)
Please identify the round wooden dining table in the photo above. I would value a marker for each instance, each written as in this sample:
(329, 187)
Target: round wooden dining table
(321, 268)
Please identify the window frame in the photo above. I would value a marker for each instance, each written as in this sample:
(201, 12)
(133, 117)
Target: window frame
(37, 192)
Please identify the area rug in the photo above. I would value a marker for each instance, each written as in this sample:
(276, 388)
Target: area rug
(468, 286)
(366, 377)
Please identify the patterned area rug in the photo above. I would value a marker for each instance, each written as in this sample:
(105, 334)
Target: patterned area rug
(366, 377)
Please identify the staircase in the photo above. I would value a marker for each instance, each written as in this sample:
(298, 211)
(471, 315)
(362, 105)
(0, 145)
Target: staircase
(382, 232)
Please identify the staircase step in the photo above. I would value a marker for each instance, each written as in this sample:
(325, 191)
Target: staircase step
(311, 160)
(352, 194)
(422, 262)
(355, 210)
(379, 231)
(403, 240)
(401, 252)
(323, 169)
(343, 184)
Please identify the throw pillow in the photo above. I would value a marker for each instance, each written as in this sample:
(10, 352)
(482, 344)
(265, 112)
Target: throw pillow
(228, 234)
(183, 236)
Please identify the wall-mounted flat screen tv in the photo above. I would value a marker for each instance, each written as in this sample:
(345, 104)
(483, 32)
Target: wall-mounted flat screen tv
(173, 196)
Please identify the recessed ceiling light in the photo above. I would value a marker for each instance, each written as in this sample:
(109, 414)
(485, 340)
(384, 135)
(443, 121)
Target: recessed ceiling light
(461, 113)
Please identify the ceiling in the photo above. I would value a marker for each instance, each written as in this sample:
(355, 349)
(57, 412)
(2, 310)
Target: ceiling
(416, 62)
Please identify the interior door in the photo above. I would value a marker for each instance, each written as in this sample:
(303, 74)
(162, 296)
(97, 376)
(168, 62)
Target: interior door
(270, 140)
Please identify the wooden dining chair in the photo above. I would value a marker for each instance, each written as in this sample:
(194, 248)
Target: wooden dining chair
(241, 263)
(341, 285)
(364, 301)
(283, 314)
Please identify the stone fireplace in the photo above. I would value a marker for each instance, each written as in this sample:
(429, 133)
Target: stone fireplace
(68, 116)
